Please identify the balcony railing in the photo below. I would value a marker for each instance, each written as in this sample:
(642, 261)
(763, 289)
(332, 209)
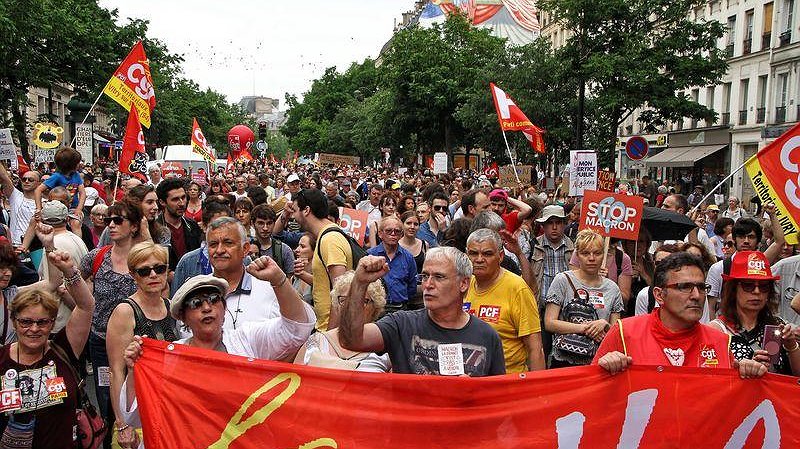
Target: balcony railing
(746, 46)
(726, 118)
(761, 115)
(786, 37)
(743, 117)
(728, 51)
(766, 41)
(780, 114)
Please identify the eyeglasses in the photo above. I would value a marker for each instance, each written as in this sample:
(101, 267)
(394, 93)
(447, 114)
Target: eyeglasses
(440, 208)
(26, 323)
(116, 219)
(687, 287)
(145, 271)
(28, 179)
(750, 286)
(423, 277)
(393, 231)
(197, 302)
(728, 244)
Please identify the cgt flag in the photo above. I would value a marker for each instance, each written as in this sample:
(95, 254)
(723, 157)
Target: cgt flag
(200, 145)
(512, 118)
(775, 173)
(246, 403)
(134, 157)
(132, 84)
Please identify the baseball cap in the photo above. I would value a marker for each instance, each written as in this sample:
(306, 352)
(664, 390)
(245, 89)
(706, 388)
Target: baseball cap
(499, 194)
(54, 213)
(713, 207)
(292, 178)
(551, 211)
(202, 281)
(92, 195)
(750, 265)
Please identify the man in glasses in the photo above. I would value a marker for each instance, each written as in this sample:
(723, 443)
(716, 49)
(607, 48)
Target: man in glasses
(441, 339)
(672, 334)
(432, 230)
(401, 281)
(22, 202)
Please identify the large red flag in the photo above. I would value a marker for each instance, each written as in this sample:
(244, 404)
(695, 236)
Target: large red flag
(246, 404)
(512, 118)
(200, 145)
(132, 84)
(134, 157)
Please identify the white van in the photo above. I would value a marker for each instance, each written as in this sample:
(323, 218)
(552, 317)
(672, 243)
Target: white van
(184, 155)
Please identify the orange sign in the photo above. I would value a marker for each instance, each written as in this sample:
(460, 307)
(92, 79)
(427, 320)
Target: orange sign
(354, 223)
(606, 180)
(612, 215)
(247, 404)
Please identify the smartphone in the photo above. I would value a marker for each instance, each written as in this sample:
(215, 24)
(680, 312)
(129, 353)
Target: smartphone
(772, 342)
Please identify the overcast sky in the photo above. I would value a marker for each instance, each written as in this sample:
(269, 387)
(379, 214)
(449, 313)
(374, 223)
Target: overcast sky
(268, 47)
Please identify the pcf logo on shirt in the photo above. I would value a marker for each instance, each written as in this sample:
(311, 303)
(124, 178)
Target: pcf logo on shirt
(490, 314)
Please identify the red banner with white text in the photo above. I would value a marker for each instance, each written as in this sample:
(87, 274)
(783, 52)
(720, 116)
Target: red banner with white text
(193, 398)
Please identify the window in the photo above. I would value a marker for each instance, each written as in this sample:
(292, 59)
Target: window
(747, 43)
(783, 89)
(789, 15)
(726, 97)
(761, 111)
(744, 93)
(710, 90)
(731, 30)
(766, 34)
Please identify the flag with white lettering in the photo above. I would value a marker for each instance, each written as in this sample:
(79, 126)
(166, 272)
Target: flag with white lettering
(512, 118)
(132, 84)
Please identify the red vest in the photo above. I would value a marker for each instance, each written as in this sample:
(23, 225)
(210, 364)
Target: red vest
(649, 342)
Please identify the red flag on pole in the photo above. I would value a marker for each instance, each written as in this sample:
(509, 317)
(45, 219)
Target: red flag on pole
(200, 145)
(512, 118)
(132, 84)
(134, 157)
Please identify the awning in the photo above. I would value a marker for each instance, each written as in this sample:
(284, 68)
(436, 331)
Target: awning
(100, 138)
(682, 156)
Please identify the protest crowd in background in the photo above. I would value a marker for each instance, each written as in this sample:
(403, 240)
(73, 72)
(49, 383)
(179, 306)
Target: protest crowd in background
(253, 260)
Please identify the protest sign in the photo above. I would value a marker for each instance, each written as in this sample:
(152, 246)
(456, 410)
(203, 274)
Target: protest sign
(200, 178)
(582, 172)
(8, 152)
(439, 163)
(354, 223)
(507, 178)
(247, 403)
(337, 159)
(83, 141)
(606, 180)
(44, 156)
(612, 215)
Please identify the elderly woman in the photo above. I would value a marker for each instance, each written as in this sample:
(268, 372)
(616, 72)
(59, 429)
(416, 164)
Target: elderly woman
(146, 312)
(96, 216)
(42, 421)
(107, 268)
(581, 305)
(748, 310)
(200, 305)
(324, 349)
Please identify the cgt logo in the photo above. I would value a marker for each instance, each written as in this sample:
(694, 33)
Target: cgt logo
(792, 186)
(138, 74)
(609, 214)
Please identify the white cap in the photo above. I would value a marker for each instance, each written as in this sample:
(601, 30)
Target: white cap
(292, 178)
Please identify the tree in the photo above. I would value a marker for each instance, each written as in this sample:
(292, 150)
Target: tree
(638, 54)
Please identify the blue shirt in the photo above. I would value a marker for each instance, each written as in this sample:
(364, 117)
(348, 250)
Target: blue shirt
(401, 281)
(69, 182)
(425, 233)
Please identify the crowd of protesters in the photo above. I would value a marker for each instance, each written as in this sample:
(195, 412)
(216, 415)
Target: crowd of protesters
(459, 275)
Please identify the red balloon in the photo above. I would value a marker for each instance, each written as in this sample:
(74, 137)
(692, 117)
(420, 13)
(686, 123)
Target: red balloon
(240, 138)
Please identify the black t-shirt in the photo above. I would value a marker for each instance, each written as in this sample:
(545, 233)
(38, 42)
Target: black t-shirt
(412, 340)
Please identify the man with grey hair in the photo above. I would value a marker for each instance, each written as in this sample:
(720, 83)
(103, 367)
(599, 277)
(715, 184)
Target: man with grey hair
(441, 339)
(248, 298)
(504, 301)
(401, 280)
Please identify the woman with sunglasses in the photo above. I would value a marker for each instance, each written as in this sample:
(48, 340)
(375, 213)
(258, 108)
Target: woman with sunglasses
(36, 361)
(145, 199)
(145, 312)
(748, 313)
(723, 228)
(107, 268)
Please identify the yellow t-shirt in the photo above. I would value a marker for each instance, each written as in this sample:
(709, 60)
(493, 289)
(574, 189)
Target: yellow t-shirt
(509, 307)
(335, 250)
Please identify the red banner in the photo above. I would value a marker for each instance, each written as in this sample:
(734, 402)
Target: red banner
(612, 215)
(512, 118)
(134, 157)
(200, 145)
(132, 84)
(243, 403)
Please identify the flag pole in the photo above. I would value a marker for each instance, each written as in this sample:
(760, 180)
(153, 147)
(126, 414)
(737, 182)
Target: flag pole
(719, 185)
(96, 100)
(513, 165)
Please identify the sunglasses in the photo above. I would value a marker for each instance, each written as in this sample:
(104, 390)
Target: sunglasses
(197, 301)
(116, 219)
(440, 208)
(750, 286)
(728, 244)
(393, 231)
(27, 322)
(145, 271)
(28, 179)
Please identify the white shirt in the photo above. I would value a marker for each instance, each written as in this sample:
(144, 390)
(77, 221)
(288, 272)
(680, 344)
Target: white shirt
(254, 300)
(22, 210)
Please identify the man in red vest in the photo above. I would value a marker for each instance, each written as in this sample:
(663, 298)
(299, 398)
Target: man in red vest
(672, 333)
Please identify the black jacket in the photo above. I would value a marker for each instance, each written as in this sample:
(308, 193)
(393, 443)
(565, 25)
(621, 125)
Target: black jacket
(191, 232)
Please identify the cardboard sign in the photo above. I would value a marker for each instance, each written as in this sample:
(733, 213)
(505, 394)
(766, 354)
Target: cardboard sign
(439, 163)
(8, 152)
(354, 223)
(612, 215)
(606, 181)
(338, 159)
(45, 156)
(200, 178)
(507, 178)
(582, 172)
(83, 141)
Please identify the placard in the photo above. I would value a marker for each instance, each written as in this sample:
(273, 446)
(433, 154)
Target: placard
(606, 180)
(44, 156)
(83, 141)
(200, 178)
(439, 163)
(507, 178)
(338, 159)
(582, 172)
(8, 152)
(612, 215)
(354, 223)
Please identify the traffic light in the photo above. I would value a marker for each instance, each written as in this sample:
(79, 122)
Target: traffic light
(262, 130)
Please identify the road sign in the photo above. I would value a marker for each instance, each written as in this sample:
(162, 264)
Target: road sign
(637, 147)
(261, 145)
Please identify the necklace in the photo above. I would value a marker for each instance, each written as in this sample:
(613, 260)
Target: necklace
(238, 310)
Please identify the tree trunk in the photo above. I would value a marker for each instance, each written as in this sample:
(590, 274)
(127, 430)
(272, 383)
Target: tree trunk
(19, 120)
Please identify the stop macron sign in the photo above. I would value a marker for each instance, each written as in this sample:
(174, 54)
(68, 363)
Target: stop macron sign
(637, 147)
(612, 215)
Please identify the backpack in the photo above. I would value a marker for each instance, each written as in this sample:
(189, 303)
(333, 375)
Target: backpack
(277, 251)
(356, 251)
